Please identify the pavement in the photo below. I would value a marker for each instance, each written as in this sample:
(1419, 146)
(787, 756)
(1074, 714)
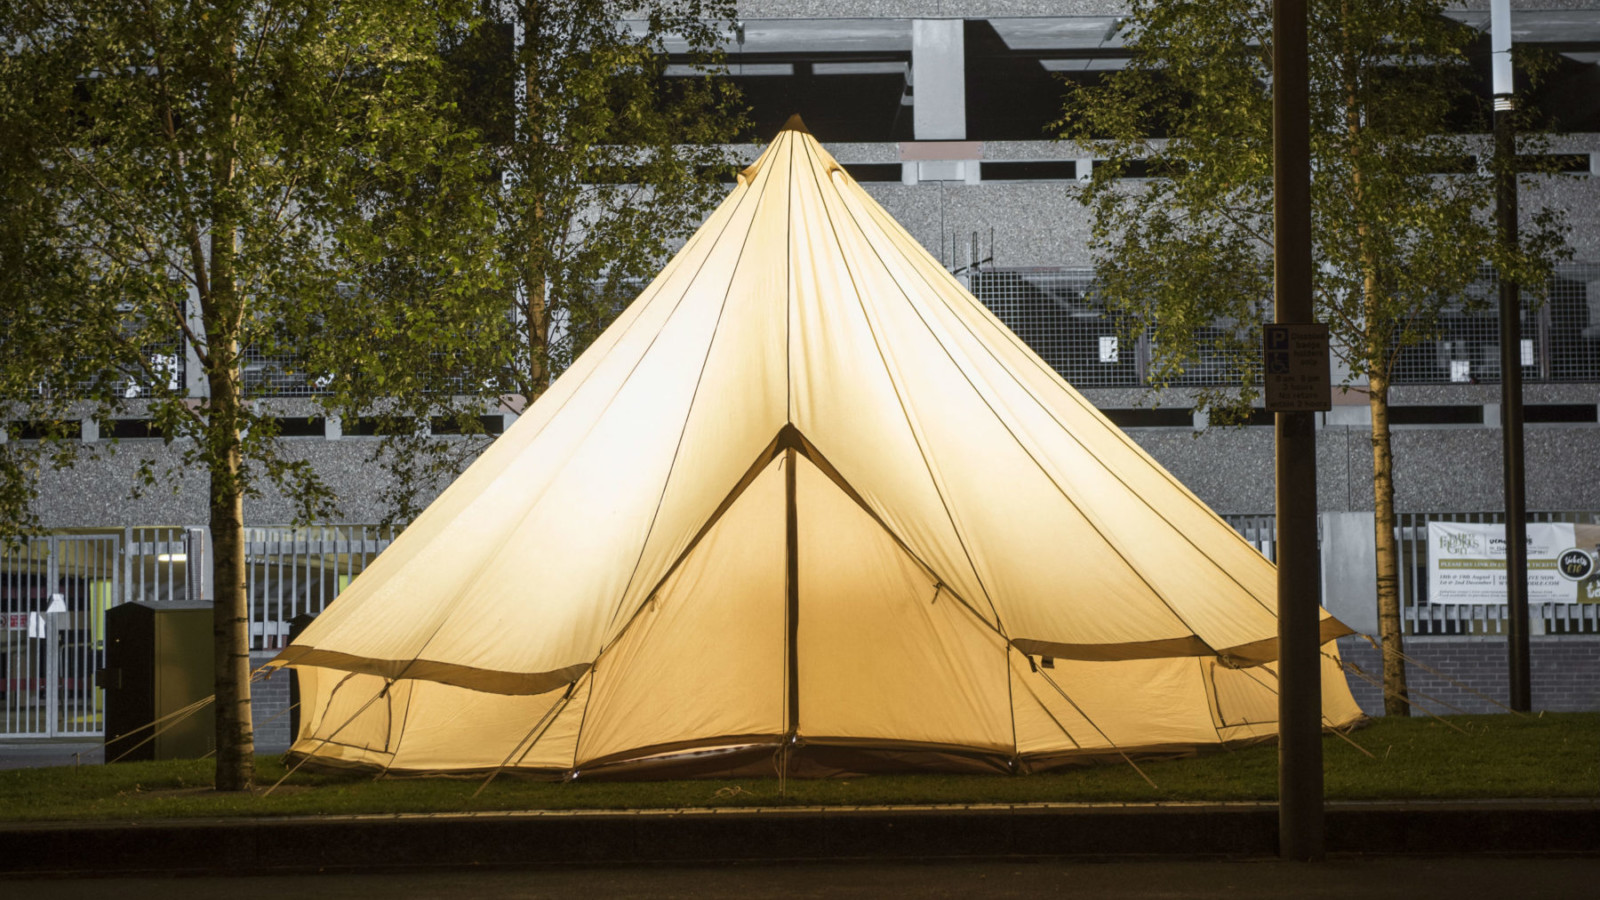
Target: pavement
(1385, 878)
(40, 753)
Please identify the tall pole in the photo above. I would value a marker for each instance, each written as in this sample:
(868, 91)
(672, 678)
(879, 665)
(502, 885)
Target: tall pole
(1300, 814)
(791, 729)
(1505, 203)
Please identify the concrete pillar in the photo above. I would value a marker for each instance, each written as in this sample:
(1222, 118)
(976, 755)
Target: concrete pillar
(939, 80)
(1350, 569)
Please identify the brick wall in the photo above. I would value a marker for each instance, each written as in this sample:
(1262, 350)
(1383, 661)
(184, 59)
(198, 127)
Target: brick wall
(1565, 669)
(269, 704)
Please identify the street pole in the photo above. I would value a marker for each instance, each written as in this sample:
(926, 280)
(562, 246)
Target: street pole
(1505, 202)
(1300, 813)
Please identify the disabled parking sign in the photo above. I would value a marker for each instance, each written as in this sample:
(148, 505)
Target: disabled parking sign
(1294, 365)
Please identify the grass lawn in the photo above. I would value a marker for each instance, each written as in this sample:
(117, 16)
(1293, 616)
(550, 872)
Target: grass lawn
(1500, 756)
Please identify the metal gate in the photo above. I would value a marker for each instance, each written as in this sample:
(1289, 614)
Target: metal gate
(54, 591)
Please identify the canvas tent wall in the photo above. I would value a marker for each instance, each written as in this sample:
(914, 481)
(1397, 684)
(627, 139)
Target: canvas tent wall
(806, 503)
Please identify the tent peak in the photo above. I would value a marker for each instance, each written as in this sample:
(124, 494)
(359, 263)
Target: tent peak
(795, 124)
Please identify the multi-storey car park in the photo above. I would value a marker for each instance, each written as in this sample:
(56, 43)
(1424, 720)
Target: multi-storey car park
(941, 108)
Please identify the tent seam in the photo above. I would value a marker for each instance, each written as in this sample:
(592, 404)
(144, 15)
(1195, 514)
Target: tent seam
(1208, 686)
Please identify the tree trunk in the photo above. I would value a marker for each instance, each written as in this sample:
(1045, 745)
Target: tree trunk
(231, 613)
(1388, 560)
(222, 311)
(534, 277)
(1377, 352)
(538, 321)
(231, 623)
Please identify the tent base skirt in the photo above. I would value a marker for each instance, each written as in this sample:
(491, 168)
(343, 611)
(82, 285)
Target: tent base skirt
(808, 760)
(818, 760)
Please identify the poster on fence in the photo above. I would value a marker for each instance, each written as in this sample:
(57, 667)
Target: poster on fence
(1467, 562)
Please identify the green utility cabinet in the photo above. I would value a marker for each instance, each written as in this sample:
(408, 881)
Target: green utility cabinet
(159, 659)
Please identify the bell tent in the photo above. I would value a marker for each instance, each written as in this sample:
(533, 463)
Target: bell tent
(808, 507)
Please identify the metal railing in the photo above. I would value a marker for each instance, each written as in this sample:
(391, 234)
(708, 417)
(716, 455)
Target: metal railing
(1260, 530)
(295, 571)
(55, 589)
(1420, 617)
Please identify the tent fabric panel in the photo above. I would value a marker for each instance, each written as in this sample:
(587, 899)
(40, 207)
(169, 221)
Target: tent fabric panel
(1339, 707)
(705, 657)
(845, 403)
(459, 532)
(1222, 606)
(989, 344)
(452, 728)
(350, 716)
(1040, 559)
(584, 537)
(1044, 727)
(423, 726)
(881, 655)
(1248, 698)
(1135, 703)
(1243, 697)
(740, 400)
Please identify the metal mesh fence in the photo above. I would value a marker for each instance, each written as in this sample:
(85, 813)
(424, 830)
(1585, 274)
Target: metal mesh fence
(276, 376)
(166, 371)
(1560, 336)
(1055, 312)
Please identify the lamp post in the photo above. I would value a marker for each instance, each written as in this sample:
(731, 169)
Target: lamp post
(1300, 812)
(1505, 174)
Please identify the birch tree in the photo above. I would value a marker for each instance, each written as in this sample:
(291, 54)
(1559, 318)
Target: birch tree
(1401, 203)
(194, 179)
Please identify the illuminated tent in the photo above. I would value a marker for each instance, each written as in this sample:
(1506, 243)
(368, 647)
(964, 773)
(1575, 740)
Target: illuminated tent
(806, 504)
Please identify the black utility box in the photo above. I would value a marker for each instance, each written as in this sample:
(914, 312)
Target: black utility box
(159, 660)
